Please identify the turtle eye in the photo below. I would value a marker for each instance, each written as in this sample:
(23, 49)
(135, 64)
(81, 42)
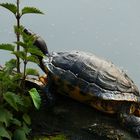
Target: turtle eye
(27, 31)
(132, 109)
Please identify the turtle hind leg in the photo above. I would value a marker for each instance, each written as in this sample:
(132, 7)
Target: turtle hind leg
(130, 122)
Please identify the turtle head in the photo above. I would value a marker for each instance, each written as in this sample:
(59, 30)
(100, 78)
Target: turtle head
(39, 42)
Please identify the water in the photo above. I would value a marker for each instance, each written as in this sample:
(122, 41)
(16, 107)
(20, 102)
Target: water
(110, 29)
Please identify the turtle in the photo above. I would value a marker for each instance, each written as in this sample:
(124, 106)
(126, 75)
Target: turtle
(92, 80)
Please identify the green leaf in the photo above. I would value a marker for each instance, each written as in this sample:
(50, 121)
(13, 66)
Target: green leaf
(30, 71)
(35, 97)
(32, 58)
(5, 116)
(4, 133)
(8, 47)
(10, 65)
(22, 44)
(31, 10)
(27, 119)
(19, 134)
(28, 39)
(20, 54)
(18, 30)
(16, 77)
(9, 6)
(16, 122)
(13, 99)
(26, 129)
(27, 101)
(35, 51)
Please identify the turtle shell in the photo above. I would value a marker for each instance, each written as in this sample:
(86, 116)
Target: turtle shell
(92, 75)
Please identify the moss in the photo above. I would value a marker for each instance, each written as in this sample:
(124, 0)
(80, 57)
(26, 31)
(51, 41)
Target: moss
(58, 137)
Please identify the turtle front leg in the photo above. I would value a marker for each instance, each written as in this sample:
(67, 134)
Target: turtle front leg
(48, 96)
(131, 122)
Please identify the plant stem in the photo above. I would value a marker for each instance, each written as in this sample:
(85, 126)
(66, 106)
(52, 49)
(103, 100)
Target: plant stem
(23, 77)
(18, 36)
(24, 73)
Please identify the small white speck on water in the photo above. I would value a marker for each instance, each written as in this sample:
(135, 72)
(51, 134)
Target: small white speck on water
(97, 37)
(115, 39)
(73, 32)
(130, 44)
(110, 8)
(52, 24)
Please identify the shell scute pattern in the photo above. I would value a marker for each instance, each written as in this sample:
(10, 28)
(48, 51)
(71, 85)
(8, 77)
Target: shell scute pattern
(94, 76)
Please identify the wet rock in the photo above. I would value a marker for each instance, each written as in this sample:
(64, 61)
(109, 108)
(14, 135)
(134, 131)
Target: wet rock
(78, 122)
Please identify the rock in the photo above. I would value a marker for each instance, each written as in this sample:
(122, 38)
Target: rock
(78, 122)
